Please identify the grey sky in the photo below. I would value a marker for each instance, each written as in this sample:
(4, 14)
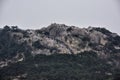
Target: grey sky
(81, 13)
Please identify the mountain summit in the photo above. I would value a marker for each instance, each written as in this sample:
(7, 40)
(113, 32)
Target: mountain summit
(20, 47)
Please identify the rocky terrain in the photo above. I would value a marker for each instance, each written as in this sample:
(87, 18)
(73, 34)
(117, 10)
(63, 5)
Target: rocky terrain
(20, 47)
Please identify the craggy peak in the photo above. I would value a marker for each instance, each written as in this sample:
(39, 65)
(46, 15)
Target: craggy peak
(59, 52)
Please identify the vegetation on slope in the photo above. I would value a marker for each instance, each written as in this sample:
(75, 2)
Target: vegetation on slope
(83, 66)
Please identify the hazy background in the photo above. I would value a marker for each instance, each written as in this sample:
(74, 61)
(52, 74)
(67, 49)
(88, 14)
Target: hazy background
(82, 13)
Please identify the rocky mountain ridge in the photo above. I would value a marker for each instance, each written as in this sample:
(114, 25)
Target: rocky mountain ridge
(61, 39)
(16, 45)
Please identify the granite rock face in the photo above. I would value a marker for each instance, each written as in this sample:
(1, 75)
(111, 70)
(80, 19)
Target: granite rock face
(58, 39)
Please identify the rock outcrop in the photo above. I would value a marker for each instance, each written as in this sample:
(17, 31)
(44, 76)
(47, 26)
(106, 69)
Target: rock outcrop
(17, 45)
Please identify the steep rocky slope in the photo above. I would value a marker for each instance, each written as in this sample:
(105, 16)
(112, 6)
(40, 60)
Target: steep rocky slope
(18, 45)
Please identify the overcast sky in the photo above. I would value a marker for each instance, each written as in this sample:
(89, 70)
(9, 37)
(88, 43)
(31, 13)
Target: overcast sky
(41, 13)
